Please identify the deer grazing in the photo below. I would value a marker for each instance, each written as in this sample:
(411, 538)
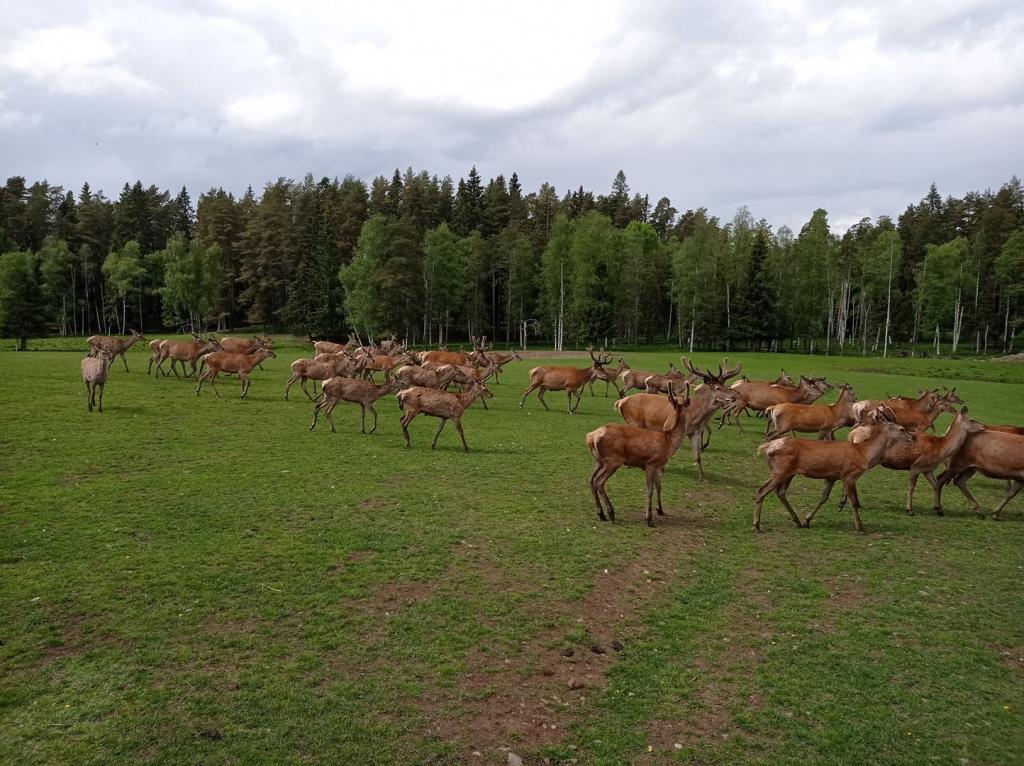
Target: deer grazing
(94, 375)
(829, 460)
(184, 351)
(925, 453)
(355, 390)
(114, 346)
(440, 404)
(324, 367)
(614, 446)
(823, 419)
(240, 364)
(995, 454)
(568, 379)
(652, 410)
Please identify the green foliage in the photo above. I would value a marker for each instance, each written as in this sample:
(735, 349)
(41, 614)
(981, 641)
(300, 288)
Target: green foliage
(444, 277)
(21, 300)
(123, 269)
(192, 282)
(945, 273)
(362, 279)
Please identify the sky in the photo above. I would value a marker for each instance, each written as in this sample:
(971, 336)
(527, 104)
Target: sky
(780, 106)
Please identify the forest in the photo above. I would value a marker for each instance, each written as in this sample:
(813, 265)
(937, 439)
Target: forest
(428, 259)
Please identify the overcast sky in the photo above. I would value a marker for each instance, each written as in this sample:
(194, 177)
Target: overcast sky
(783, 107)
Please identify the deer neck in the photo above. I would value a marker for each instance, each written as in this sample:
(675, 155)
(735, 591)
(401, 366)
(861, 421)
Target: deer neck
(954, 438)
(873, 448)
(131, 341)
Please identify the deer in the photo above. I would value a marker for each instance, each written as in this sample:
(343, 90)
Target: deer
(666, 384)
(638, 378)
(615, 445)
(568, 379)
(423, 377)
(329, 347)
(94, 375)
(652, 410)
(154, 356)
(759, 395)
(380, 362)
(995, 454)
(445, 405)
(829, 460)
(610, 376)
(925, 453)
(240, 346)
(114, 346)
(500, 360)
(324, 367)
(184, 351)
(465, 375)
(223, 361)
(824, 419)
(356, 390)
(913, 420)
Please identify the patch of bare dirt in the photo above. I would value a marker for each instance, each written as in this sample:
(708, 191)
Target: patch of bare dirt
(1013, 658)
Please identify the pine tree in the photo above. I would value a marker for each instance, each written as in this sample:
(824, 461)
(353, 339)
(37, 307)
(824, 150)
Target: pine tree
(22, 310)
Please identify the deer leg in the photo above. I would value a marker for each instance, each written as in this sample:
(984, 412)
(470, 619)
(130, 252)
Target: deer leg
(192, 373)
(936, 487)
(199, 383)
(596, 493)
(781, 493)
(244, 379)
(462, 435)
(540, 395)
(606, 474)
(568, 393)
(125, 360)
(762, 493)
(850, 485)
(591, 386)
(88, 396)
(526, 393)
(288, 386)
(705, 438)
(362, 418)
(910, 491)
(406, 420)
(374, 411)
(102, 385)
(826, 491)
(695, 449)
(213, 383)
(329, 412)
(579, 398)
(483, 402)
(440, 428)
(1011, 492)
(657, 487)
(961, 482)
(316, 413)
(649, 493)
(306, 392)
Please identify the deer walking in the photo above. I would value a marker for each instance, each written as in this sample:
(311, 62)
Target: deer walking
(94, 375)
(355, 390)
(114, 346)
(568, 379)
(995, 454)
(824, 419)
(184, 351)
(439, 404)
(241, 364)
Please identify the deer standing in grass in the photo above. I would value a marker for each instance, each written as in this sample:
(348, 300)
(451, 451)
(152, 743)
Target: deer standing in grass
(568, 379)
(240, 364)
(823, 419)
(995, 454)
(614, 446)
(114, 346)
(829, 460)
(184, 351)
(355, 390)
(94, 375)
(440, 404)
(322, 368)
(610, 376)
(925, 453)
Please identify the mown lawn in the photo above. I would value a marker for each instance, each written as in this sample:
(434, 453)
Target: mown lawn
(197, 580)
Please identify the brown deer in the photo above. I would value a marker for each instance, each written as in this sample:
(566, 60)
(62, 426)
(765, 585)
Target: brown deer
(465, 375)
(355, 390)
(114, 346)
(568, 379)
(380, 362)
(925, 453)
(500, 360)
(424, 377)
(829, 460)
(995, 454)
(184, 351)
(329, 347)
(241, 364)
(324, 367)
(94, 375)
(1018, 430)
(652, 410)
(759, 395)
(666, 384)
(614, 446)
(630, 379)
(244, 345)
(610, 376)
(154, 356)
(823, 419)
(440, 404)
(443, 356)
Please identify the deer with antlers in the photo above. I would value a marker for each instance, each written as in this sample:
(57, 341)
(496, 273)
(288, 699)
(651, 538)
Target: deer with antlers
(114, 346)
(568, 379)
(355, 390)
(614, 446)
(445, 405)
(239, 364)
(829, 460)
(759, 395)
(925, 453)
(652, 410)
(823, 419)
(637, 379)
(995, 454)
(610, 375)
(184, 351)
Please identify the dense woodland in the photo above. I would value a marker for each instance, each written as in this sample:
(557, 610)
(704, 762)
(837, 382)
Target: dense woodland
(427, 259)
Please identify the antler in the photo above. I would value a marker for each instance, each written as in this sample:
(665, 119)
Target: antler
(730, 372)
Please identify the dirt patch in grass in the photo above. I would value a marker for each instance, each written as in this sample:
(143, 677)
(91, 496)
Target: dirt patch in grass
(1013, 658)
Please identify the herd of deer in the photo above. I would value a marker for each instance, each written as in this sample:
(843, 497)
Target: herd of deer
(890, 432)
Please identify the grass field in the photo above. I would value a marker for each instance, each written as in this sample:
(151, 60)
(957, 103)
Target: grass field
(197, 580)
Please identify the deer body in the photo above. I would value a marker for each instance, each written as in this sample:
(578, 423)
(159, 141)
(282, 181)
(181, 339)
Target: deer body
(823, 419)
(184, 351)
(424, 377)
(323, 367)
(386, 362)
(440, 404)
(996, 454)
(614, 446)
(355, 390)
(94, 375)
(829, 460)
(443, 357)
(241, 364)
(609, 376)
(154, 356)
(114, 346)
(568, 379)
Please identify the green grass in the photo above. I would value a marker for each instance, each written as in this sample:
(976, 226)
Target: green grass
(179, 565)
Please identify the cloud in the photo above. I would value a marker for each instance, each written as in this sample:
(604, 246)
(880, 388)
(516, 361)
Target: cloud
(783, 106)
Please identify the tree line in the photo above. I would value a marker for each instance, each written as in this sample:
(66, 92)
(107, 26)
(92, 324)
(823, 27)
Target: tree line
(428, 258)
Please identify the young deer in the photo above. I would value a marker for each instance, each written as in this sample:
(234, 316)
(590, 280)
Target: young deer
(650, 411)
(568, 379)
(114, 346)
(823, 419)
(925, 453)
(829, 460)
(184, 351)
(996, 454)
(241, 364)
(94, 375)
(614, 446)
(355, 390)
(440, 404)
